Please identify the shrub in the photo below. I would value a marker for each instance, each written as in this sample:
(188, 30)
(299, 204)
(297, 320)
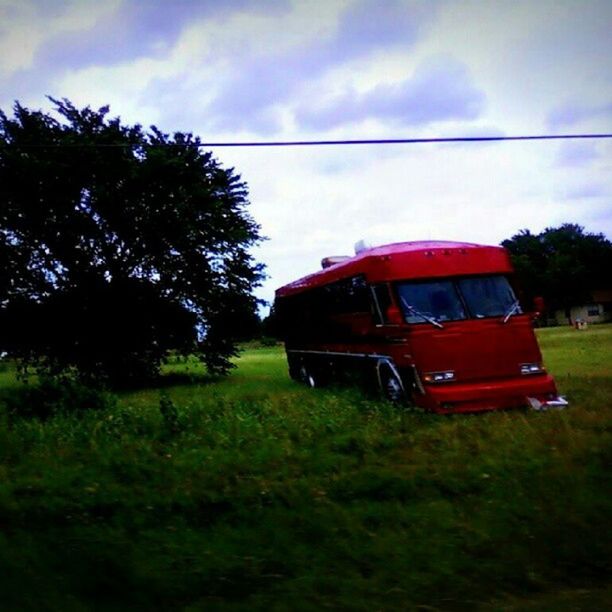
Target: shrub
(52, 397)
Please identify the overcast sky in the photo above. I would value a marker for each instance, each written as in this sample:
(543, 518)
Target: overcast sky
(326, 69)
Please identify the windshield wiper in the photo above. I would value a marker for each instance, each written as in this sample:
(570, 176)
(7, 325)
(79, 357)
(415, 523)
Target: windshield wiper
(414, 311)
(514, 308)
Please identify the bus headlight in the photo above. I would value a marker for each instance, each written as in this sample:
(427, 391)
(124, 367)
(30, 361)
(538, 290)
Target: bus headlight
(438, 377)
(532, 368)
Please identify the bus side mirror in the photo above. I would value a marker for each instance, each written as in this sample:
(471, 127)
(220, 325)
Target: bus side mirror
(394, 315)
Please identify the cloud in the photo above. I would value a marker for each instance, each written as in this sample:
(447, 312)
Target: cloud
(371, 24)
(600, 216)
(439, 90)
(571, 114)
(573, 153)
(587, 191)
(46, 41)
(247, 98)
(25, 26)
(228, 84)
(138, 28)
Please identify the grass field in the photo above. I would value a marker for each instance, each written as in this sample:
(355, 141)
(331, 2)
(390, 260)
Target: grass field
(254, 493)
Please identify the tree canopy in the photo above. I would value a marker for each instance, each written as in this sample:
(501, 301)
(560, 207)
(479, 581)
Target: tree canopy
(564, 264)
(118, 245)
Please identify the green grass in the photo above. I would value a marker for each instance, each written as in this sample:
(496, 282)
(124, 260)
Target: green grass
(262, 494)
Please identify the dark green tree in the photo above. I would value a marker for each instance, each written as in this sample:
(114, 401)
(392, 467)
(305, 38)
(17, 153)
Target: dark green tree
(118, 245)
(272, 325)
(563, 265)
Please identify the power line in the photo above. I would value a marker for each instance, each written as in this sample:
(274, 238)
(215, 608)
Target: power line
(304, 143)
(300, 143)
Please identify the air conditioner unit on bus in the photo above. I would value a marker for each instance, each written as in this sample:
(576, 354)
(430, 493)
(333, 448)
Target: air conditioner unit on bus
(361, 245)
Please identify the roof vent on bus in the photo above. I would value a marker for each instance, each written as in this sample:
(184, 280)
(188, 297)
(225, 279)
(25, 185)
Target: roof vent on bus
(327, 262)
(360, 246)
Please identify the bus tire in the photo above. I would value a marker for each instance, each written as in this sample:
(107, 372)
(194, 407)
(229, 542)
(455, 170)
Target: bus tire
(307, 377)
(294, 368)
(391, 385)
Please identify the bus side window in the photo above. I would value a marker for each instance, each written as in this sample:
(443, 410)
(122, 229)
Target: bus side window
(347, 296)
(381, 300)
(356, 295)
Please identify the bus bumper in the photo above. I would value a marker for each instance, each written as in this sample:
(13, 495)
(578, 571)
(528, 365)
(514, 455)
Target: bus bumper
(538, 392)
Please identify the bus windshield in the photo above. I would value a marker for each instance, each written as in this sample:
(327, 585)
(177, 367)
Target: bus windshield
(436, 300)
(475, 297)
(488, 296)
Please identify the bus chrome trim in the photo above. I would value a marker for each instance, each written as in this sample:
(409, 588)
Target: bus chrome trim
(388, 362)
(417, 380)
(341, 354)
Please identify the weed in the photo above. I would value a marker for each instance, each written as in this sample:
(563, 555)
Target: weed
(51, 397)
(169, 413)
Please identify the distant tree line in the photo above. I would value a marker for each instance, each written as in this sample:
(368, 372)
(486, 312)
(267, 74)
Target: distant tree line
(117, 246)
(564, 265)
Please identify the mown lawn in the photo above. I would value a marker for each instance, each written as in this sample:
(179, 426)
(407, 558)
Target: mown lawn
(260, 494)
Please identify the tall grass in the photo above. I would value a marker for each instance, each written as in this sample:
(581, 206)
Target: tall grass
(252, 492)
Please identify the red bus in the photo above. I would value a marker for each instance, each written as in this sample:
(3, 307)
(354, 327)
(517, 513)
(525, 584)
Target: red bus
(436, 324)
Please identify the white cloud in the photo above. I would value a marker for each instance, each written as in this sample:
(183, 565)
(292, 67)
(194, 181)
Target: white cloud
(26, 26)
(439, 90)
(577, 153)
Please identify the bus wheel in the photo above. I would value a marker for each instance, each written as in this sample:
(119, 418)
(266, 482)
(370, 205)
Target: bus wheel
(307, 377)
(391, 386)
(294, 368)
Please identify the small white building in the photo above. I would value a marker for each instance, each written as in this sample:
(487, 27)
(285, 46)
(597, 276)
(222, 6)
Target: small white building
(599, 310)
